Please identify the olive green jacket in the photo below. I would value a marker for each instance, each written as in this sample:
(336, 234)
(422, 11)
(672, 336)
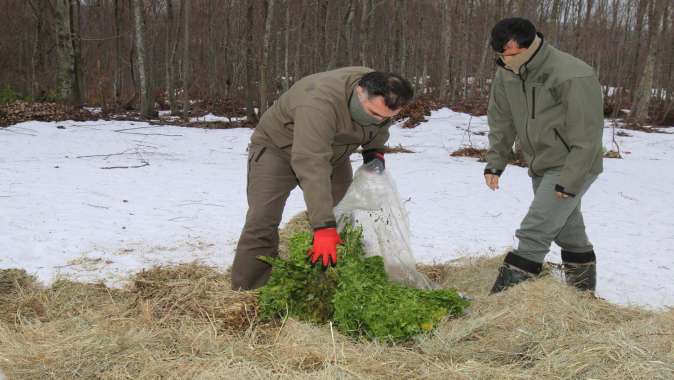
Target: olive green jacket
(555, 106)
(311, 126)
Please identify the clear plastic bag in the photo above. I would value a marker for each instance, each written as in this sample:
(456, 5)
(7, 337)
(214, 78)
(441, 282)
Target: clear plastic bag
(372, 202)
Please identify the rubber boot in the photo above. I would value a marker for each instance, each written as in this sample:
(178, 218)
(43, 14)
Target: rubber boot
(580, 270)
(515, 269)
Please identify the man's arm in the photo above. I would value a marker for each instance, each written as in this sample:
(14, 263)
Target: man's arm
(584, 125)
(501, 129)
(313, 135)
(373, 152)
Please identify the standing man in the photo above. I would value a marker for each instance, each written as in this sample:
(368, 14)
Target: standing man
(552, 102)
(306, 139)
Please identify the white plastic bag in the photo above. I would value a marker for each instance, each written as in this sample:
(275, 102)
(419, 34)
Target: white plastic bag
(372, 202)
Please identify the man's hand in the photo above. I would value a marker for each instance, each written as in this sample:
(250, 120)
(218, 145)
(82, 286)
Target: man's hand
(373, 161)
(492, 181)
(561, 194)
(325, 246)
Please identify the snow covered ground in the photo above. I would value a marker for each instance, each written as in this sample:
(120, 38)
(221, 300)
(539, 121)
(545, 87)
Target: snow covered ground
(99, 200)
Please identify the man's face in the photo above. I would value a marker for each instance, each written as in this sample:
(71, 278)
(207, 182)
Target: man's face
(510, 50)
(375, 106)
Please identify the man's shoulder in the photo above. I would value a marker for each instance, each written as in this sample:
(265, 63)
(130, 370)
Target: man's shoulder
(564, 66)
(326, 89)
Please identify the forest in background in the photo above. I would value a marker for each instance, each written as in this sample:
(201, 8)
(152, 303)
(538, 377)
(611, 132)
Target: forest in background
(160, 54)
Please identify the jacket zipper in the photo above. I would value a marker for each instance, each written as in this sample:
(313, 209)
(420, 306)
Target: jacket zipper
(533, 102)
(526, 130)
(562, 139)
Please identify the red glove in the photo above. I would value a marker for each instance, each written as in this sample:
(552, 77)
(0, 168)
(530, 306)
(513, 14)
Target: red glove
(325, 246)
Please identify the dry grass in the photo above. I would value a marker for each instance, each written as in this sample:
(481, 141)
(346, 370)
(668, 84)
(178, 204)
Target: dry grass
(185, 322)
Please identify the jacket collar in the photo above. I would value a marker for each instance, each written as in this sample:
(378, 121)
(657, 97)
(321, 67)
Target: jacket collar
(536, 60)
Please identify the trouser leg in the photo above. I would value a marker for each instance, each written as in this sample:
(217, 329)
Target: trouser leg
(270, 181)
(550, 218)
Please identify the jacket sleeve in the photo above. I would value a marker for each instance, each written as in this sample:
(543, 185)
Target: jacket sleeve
(502, 131)
(584, 125)
(379, 142)
(314, 133)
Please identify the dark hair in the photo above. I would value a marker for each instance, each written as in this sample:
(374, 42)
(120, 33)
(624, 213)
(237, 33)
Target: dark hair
(518, 29)
(396, 90)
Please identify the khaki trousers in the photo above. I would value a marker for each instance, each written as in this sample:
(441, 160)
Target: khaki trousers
(270, 181)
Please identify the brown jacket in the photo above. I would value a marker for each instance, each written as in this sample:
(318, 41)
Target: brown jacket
(311, 126)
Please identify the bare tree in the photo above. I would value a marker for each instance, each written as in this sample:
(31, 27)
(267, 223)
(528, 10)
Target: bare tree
(439, 44)
(402, 58)
(250, 71)
(286, 48)
(186, 56)
(445, 35)
(365, 16)
(66, 64)
(348, 29)
(644, 93)
(264, 66)
(78, 79)
(117, 73)
(146, 106)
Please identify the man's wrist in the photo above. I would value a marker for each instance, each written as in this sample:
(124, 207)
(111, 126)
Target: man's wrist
(372, 154)
(560, 189)
(493, 171)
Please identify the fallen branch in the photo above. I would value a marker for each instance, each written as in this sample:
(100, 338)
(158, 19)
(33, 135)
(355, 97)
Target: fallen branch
(127, 167)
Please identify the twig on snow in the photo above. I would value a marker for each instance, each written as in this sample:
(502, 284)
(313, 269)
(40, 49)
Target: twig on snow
(127, 167)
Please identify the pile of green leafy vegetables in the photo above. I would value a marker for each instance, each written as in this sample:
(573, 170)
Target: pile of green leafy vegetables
(355, 294)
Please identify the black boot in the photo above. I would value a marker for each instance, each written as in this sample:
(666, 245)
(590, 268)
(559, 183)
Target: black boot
(580, 270)
(514, 270)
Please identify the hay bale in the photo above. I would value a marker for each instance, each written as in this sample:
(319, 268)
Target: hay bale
(17, 297)
(14, 280)
(539, 329)
(193, 291)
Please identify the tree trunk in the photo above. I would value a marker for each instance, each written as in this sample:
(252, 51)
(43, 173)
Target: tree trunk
(444, 62)
(167, 58)
(145, 103)
(402, 4)
(264, 66)
(554, 22)
(364, 30)
(348, 29)
(634, 76)
(211, 64)
(78, 77)
(65, 61)
(639, 114)
(337, 47)
(250, 67)
(37, 57)
(117, 75)
(186, 57)
(297, 72)
(286, 35)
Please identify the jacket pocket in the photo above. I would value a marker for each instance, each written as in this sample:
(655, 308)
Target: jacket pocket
(558, 135)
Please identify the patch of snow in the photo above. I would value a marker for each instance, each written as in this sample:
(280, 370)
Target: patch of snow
(210, 118)
(93, 110)
(100, 200)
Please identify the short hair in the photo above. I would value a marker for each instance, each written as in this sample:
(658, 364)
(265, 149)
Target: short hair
(396, 90)
(517, 29)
